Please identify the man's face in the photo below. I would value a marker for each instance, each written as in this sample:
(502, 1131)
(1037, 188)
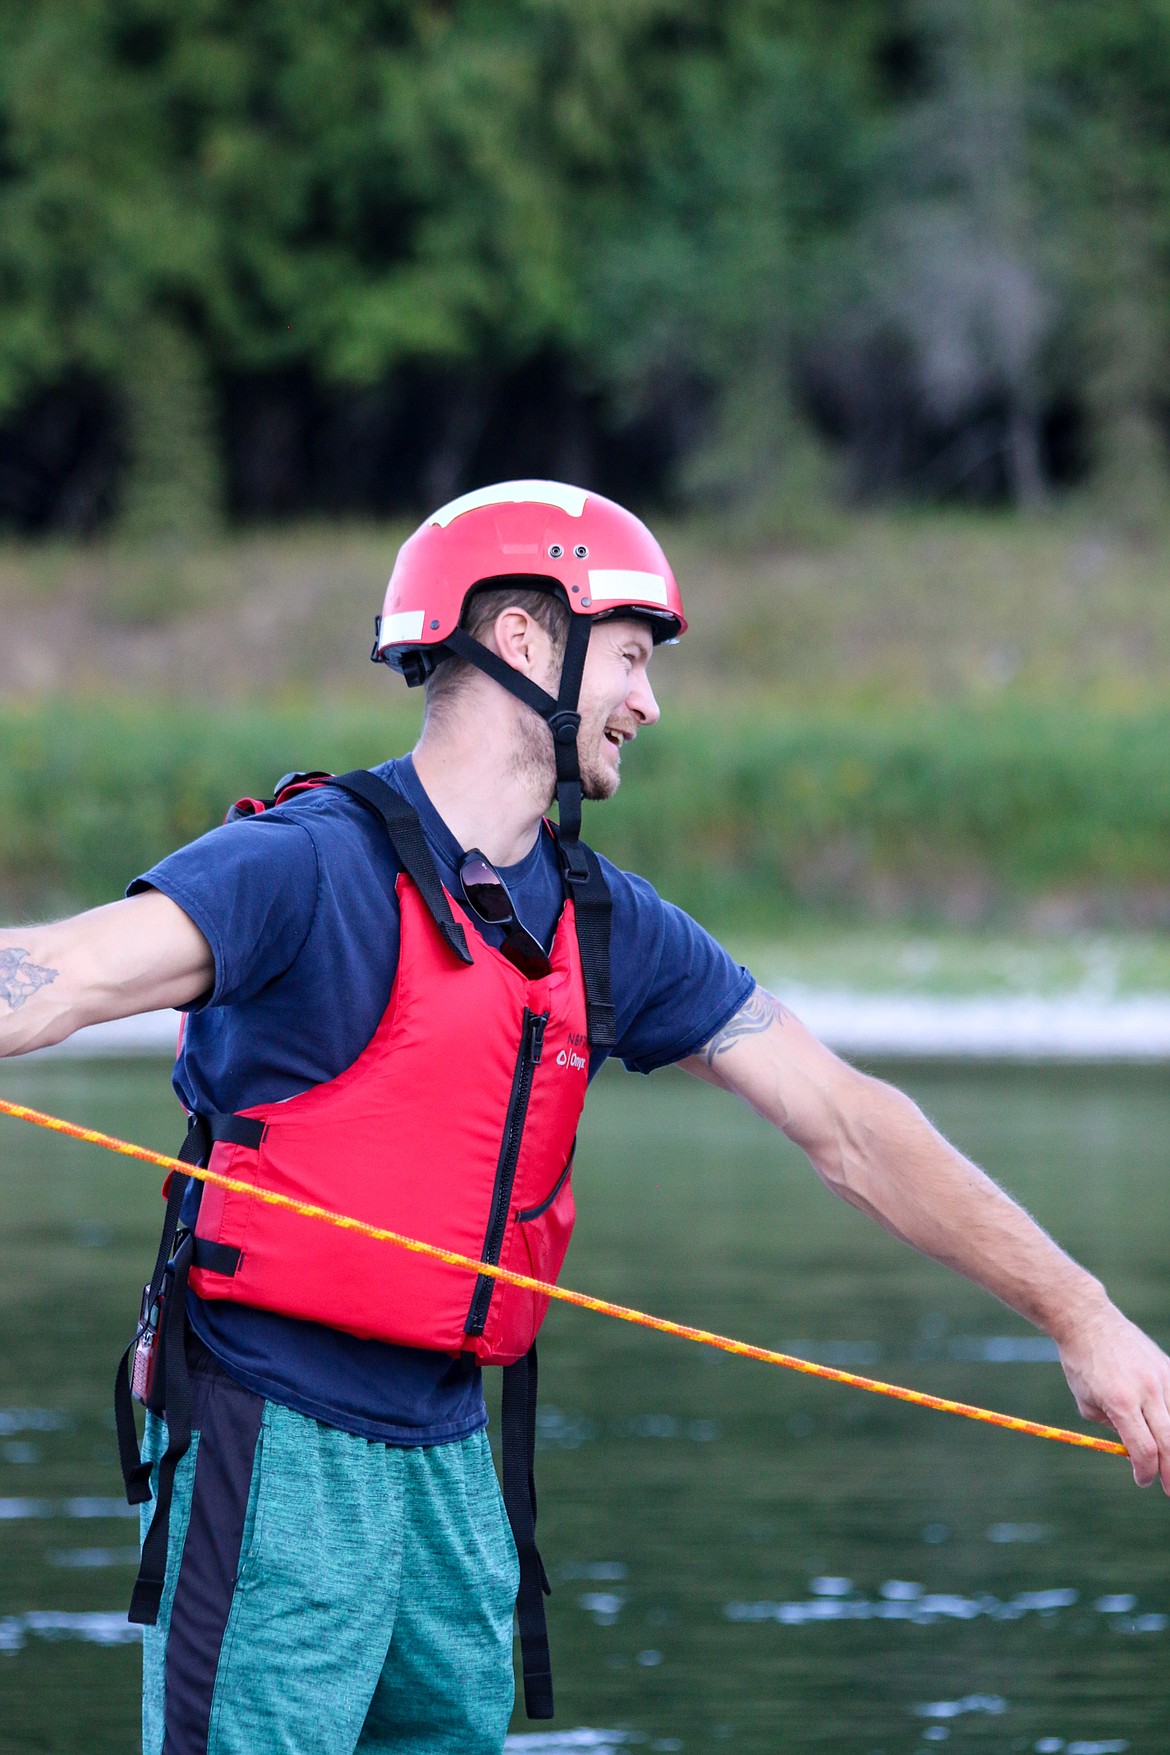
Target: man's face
(616, 701)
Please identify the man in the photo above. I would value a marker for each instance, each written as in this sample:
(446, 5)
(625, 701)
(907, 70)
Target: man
(397, 986)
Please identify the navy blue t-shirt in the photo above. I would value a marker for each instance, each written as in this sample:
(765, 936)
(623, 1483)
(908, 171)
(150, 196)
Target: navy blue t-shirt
(298, 905)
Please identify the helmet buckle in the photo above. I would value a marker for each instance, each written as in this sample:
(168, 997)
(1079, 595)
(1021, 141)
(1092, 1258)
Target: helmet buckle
(564, 726)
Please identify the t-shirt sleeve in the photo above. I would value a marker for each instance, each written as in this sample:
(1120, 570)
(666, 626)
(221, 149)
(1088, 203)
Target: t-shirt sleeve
(251, 888)
(673, 984)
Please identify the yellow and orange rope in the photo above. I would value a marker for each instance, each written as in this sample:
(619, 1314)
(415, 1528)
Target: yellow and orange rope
(603, 1306)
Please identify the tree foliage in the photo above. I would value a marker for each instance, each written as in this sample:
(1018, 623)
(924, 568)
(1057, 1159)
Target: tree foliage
(923, 223)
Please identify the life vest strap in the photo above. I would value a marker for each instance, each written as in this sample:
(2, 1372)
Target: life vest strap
(206, 1128)
(146, 1597)
(409, 843)
(518, 1479)
(171, 1395)
(136, 1473)
(593, 907)
(216, 1258)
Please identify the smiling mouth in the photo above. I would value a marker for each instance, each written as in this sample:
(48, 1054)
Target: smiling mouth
(617, 738)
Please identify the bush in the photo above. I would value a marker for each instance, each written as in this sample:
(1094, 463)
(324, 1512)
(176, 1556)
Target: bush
(965, 814)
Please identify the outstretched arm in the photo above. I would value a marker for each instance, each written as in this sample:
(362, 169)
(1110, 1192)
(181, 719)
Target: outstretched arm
(133, 956)
(874, 1147)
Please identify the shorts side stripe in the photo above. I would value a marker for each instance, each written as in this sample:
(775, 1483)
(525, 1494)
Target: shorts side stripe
(228, 1418)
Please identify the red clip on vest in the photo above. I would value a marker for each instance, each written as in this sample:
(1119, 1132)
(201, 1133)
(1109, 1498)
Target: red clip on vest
(455, 1125)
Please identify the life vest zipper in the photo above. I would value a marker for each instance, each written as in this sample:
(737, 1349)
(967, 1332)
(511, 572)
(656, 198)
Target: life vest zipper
(527, 1060)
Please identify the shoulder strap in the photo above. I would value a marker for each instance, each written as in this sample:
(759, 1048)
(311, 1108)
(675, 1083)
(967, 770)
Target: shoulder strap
(401, 823)
(593, 907)
(285, 788)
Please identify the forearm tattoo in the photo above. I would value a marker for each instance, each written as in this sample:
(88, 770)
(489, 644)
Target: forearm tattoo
(758, 1013)
(20, 977)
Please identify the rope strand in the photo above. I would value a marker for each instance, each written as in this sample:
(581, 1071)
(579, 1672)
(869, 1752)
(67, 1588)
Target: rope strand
(582, 1300)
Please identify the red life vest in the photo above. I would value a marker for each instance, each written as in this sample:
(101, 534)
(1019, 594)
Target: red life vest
(455, 1125)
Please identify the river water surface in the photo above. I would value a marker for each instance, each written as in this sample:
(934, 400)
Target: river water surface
(743, 1560)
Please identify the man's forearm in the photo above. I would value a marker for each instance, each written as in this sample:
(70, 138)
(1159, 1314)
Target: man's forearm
(34, 1009)
(888, 1161)
(133, 956)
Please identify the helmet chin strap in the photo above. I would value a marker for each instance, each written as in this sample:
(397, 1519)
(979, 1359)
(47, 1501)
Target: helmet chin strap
(559, 712)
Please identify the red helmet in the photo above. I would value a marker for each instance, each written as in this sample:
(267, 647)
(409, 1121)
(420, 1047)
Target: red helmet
(604, 559)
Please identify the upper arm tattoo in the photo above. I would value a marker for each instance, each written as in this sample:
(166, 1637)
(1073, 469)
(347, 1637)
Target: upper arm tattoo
(758, 1013)
(20, 977)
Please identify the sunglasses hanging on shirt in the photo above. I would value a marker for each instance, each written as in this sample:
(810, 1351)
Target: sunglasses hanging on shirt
(487, 895)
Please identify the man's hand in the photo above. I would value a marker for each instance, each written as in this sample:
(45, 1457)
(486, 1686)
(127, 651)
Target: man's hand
(139, 955)
(1121, 1378)
(872, 1146)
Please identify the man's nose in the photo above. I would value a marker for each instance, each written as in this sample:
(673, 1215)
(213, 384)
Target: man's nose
(641, 701)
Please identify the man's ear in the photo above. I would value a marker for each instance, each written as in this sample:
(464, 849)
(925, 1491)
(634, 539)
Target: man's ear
(521, 641)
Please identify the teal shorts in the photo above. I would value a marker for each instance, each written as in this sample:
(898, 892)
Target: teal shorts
(325, 1593)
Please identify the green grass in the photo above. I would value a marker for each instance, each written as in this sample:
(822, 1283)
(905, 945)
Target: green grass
(930, 720)
(993, 818)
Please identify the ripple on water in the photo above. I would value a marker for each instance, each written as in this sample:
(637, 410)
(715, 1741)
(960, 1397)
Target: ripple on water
(109, 1627)
(605, 1606)
(1018, 1532)
(14, 1420)
(16, 1510)
(992, 1704)
(667, 1426)
(601, 1742)
(1058, 1746)
(595, 1571)
(557, 1430)
(834, 1599)
(91, 1558)
(562, 1742)
(1004, 1349)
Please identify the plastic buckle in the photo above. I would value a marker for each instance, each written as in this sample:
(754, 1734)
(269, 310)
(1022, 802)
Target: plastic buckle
(574, 862)
(564, 725)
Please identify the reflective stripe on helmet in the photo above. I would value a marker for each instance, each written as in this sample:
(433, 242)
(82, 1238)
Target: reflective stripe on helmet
(541, 493)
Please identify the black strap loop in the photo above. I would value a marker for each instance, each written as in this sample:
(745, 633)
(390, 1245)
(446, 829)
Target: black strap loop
(410, 847)
(176, 1392)
(217, 1258)
(135, 1472)
(518, 1439)
(208, 1128)
(171, 1393)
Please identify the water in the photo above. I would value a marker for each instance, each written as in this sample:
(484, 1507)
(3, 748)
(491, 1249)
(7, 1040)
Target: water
(744, 1560)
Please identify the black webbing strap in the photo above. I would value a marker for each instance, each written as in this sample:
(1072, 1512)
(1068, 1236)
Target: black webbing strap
(559, 712)
(473, 651)
(148, 1586)
(593, 908)
(135, 1472)
(410, 846)
(564, 724)
(171, 1394)
(518, 1439)
(206, 1127)
(217, 1258)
